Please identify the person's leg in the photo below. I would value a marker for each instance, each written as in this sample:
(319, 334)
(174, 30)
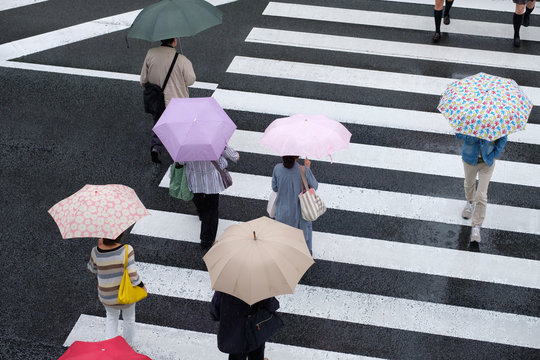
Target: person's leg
(484, 176)
(528, 10)
(128, 315)
(212, 202)
(111, 322)
(437, 14)
(469, 185)
(198, 200)
(447, 6)
(257, 354)
(156, 146)
(518, 20)
(308, 232)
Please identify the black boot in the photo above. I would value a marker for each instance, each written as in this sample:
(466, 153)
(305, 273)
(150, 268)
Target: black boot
(447, 7)
(518, 19)
(437, 14)
(526, 17)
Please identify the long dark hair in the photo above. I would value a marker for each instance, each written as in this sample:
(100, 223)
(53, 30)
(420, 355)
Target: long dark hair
(111, 242)
(288, 161)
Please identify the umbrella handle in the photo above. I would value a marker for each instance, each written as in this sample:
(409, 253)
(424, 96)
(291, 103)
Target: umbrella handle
(254, 235)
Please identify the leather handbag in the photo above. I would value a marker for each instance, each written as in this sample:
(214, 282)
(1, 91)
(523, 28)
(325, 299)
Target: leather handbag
(178, 185)
(226, 178)
(154, 99)
(129, 294)
(310, 203)
(271, 207)
(260, 326)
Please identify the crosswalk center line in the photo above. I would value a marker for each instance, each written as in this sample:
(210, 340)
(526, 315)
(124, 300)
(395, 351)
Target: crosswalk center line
(371, 252)
(161, 342)
(367, 309)
(394, 48)
(329, 74)
(431, 122)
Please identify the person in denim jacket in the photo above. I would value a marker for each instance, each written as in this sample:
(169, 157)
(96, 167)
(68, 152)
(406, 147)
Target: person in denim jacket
(478, 157)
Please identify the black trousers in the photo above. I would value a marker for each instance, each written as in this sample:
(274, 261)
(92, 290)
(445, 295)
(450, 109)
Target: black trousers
(257, 354)
(155, 142)
(207, 206)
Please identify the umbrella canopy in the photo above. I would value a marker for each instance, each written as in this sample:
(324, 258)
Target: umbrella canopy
(194, 129)
(98, 211)
(313, 136)
(113, 349)
(174, 18)
(258, 259)
(485, 106)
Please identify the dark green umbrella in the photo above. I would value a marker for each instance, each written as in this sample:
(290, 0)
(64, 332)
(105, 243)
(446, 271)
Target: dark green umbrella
(174, 18)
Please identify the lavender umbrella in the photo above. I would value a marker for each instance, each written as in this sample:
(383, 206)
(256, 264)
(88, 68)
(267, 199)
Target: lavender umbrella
(194, 129)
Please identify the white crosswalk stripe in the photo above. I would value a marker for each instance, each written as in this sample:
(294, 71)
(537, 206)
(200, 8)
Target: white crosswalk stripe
(12, 4)
(475, 324)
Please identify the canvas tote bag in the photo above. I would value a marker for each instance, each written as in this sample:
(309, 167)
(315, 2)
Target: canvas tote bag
(310, 203)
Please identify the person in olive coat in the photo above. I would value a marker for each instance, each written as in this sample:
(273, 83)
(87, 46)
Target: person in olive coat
(232, 313)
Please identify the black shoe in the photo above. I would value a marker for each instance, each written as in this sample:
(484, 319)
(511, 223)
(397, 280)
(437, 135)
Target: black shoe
(436, 37)
(156, 156)
(526, 20)
(517, 41)
(446, 20)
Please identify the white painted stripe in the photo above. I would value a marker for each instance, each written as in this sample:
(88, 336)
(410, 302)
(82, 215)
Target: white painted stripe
(386, 80)
(432, 122)
(400, 21)
(160, 343)
(395, 49)
(11, 4)
(368, 309)
(91, 73)
(65, 36)
(371, 252)
(492, 5)
(422, 162)
(395, 204)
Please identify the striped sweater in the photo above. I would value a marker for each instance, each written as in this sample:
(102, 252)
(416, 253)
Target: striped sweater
(109, 267)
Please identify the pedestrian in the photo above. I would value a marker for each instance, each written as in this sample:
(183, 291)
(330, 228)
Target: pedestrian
(107, 261)
(287, 183)
(205, 181)
(232, 313)
(522, 17)
(478, 158)
(154, 70)
(438, 15)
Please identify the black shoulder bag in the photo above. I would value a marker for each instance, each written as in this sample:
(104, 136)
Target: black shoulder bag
(154, 99)
(260, 326)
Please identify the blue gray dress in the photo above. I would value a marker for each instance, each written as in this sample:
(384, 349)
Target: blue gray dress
(288, 184)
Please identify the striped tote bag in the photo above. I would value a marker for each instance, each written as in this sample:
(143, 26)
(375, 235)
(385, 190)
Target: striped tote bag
(310, 203)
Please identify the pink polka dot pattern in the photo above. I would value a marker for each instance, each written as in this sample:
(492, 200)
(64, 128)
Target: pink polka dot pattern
(485, 106)
(98, 211)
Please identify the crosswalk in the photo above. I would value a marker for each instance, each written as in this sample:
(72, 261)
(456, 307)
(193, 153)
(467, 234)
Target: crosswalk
(393, 276)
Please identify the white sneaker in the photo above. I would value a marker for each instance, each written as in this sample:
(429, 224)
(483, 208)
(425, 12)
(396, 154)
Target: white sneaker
(467, 210)
(475, 234)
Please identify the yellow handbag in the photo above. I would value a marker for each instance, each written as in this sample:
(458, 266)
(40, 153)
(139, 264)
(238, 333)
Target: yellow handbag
(129, 294)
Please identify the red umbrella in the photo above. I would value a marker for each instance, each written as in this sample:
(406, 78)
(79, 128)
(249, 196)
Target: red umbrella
(113, 349)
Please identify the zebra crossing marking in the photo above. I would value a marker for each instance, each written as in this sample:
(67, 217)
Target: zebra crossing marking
(492, 5)
(12, 4)
(394, 20)
(394, 48)
(371, 252)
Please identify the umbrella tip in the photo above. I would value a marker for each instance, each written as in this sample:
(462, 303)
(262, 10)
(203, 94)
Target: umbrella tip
(254, 235)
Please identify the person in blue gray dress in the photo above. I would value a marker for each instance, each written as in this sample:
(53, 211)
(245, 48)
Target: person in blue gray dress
(478, 157)
(287, 183)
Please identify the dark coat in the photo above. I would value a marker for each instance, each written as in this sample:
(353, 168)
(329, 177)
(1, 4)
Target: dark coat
(232, 313)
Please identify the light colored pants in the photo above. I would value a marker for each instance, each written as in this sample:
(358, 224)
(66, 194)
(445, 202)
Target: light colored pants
(479, 196)
(111, 322)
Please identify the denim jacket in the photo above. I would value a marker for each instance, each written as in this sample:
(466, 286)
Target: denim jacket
(472, 146)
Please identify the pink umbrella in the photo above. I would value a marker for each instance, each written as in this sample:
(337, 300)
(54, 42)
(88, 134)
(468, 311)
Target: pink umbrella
(194, 129)
(313, 136)
(98, 211)
(113, 349)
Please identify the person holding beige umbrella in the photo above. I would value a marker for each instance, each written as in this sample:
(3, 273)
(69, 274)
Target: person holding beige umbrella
(248, 265)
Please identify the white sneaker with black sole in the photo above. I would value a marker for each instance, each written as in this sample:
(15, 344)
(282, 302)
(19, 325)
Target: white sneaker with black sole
(467, 210)
(475, 234)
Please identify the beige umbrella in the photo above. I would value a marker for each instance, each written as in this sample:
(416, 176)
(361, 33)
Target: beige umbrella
(258, 259)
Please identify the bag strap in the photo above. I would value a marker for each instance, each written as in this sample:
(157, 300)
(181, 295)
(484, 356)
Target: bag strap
(218, 168)
(305, 185)
(170, 71)
(125, 262)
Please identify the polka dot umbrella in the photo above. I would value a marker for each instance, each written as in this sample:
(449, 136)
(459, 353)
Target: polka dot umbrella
(98, 211)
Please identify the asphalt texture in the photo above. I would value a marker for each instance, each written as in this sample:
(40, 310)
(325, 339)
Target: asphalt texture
(60, 132)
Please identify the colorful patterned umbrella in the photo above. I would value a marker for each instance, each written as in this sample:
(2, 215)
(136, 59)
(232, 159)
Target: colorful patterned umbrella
(98, 211)
(485, 106)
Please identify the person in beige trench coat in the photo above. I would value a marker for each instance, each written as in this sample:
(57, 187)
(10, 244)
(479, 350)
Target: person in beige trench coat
(154, 70)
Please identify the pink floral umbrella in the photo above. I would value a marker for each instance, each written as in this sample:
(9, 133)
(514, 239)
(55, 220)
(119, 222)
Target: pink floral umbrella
(313, 136)
(98, 211)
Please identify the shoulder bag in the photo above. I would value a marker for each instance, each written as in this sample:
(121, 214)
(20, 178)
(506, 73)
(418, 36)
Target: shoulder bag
(178, 185)
(129, 294)
(310, 203)
(271, 207)
(154, 99)
(260, 326)
(226, 178)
